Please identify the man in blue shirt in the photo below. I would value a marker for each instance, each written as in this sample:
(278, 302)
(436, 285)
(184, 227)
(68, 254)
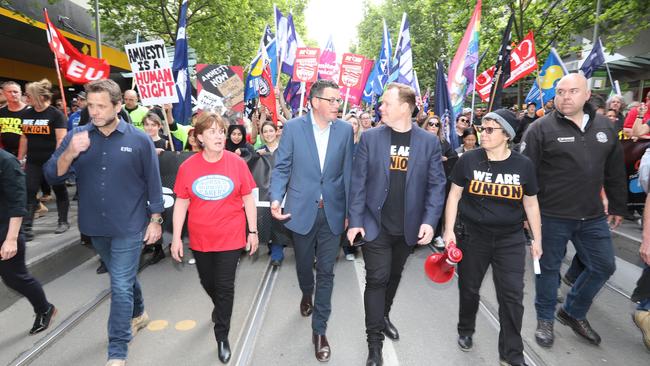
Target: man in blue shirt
(120, 202)
(73, 120)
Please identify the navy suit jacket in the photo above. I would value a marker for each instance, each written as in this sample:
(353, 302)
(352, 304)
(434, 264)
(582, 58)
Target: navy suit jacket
(425, 182)
(297, 172)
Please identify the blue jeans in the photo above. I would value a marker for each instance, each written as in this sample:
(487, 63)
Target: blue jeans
(593, 243)
(122, 258)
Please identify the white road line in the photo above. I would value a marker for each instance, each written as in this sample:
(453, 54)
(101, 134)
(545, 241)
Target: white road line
(390, 356)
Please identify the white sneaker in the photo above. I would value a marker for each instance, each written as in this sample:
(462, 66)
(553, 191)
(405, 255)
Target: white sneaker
(438, 242)
(116, 362)
(138, 323)
(191, 261)
(350, 257)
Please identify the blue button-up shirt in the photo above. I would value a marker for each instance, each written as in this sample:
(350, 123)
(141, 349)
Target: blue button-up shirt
(118, 180)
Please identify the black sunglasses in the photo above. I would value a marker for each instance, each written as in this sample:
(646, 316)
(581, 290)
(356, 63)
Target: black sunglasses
(462, 120)
(437, 124)
(487, 130)
(280, 127)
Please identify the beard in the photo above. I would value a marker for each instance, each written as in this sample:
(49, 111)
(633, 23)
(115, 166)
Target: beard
(104, 122)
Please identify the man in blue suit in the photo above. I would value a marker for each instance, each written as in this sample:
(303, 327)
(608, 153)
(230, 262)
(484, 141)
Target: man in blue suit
(396, 199)
(313, 165)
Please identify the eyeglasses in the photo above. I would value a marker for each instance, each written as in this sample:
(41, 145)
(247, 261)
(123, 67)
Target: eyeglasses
(436, 124)
(280, 127)
(462, 120)
(487, 130)
(332, 101)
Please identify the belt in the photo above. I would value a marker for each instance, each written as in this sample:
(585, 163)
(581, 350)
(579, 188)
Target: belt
(321, 204)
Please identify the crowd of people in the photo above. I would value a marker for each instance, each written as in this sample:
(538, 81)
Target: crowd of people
(332, 182)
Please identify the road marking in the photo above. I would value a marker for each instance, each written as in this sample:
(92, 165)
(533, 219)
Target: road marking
(185, 325)
(389, 354)
(157, 325)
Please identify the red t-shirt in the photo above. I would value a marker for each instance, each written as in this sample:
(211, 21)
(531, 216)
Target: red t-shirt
(216, 218)
(631, 116)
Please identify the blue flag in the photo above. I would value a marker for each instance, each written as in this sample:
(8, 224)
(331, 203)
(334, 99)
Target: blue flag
(405, 63)
(182, 111)
(594, 60)
(443, 107)
(550, 74)
(379, 74)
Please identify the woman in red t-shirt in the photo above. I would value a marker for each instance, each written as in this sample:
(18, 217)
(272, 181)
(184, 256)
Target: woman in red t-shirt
(213, 186)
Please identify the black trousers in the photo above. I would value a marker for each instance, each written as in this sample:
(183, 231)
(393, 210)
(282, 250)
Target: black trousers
(34, 178)
(506, 253)
(15, 275)
(217, 274)
(384, 258)
(321, 243)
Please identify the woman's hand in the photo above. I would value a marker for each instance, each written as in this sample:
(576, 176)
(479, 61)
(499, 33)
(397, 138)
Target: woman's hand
(176, 250)
(252, 242)
(449, 237)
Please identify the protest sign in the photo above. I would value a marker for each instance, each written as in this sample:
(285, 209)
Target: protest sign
(220, 86)
(305, 67)
(351, 70)
(152, 72)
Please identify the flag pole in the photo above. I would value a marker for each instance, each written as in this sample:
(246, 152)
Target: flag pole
(539, 87)
(345, 104)
(495, 85)
(609, 73)
(58, 73)
(303, 86)
(471, 117)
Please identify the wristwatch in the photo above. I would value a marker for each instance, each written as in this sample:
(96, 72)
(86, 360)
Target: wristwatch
(156, 220)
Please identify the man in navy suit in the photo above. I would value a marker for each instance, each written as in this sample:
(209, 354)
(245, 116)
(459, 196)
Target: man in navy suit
(313, 165)
(396, 198)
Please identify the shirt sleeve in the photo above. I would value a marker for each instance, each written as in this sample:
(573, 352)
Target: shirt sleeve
(458, 174)
(13, 188)
(180, 185)
(629, 119)
(152, 176)
(531, 187)
(247, 183)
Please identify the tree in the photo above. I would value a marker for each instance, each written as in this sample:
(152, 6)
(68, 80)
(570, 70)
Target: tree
(437, 26)
(221, 31)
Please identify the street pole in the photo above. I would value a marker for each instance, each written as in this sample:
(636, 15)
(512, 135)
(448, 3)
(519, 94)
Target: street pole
(98, 36)
(595, 36)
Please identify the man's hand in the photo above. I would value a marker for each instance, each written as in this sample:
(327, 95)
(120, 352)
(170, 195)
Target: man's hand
(153, 233)
(353, 232)
(176, 250)
(614, 221)
(425, 234)
(79, 143)
(644, 251)
(9, 249)
(276, 211)
(252, 241)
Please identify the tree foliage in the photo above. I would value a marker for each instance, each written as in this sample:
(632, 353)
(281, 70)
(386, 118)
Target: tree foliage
(221, 31)
(437, 27)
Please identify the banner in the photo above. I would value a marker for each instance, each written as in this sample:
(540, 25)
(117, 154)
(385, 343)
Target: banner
(76, 67)
(152, 72)
(328, 69)
(356, 93)
(220, 86)
(351, 70)
(461, 69)
(523, 61)
(305, 67)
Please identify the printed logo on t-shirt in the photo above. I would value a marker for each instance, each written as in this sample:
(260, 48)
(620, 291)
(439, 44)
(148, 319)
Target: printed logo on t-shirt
(213, 187)
(601, 137)
(399, 157)
(502, 185)
(11, 125)
(36, 126)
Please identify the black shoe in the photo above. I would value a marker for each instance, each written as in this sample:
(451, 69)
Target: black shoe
(43, 320)
(223, 347)
(306, 305)
(580, 327)
(62, 228)
(102, 268)
(158, 255)
(465, 343)
(389, 330)
(544, 333)
(276, 263)
(374, 355)
(503, 362)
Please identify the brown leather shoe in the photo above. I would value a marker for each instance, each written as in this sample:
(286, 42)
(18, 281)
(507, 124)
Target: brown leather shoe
(321, 347)
(306, 305)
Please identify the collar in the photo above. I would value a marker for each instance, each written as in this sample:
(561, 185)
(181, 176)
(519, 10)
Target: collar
(313, 121)
(121, 126)
(589, 115)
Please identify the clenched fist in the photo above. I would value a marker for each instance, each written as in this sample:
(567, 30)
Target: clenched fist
(79, 143)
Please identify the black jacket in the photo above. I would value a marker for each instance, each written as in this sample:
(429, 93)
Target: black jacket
(572, 166)
(13, 192)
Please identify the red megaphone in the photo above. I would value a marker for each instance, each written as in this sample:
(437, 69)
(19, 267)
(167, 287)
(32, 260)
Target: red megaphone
(440, 267)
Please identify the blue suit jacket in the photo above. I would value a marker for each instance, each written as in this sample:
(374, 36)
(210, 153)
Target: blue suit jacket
(425, 182)
(297, 172)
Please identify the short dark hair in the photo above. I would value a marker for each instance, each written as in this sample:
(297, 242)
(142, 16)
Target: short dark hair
(405, 94)
(105, 85)
(320, 85)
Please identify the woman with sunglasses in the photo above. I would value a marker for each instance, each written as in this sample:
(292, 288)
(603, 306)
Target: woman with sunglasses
(433, 125)
(496, 188)
(462, 123)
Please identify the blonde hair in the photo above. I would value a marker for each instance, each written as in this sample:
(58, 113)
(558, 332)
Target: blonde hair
(39, 92)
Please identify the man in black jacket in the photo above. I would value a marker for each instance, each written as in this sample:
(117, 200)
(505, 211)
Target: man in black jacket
(576, 153)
